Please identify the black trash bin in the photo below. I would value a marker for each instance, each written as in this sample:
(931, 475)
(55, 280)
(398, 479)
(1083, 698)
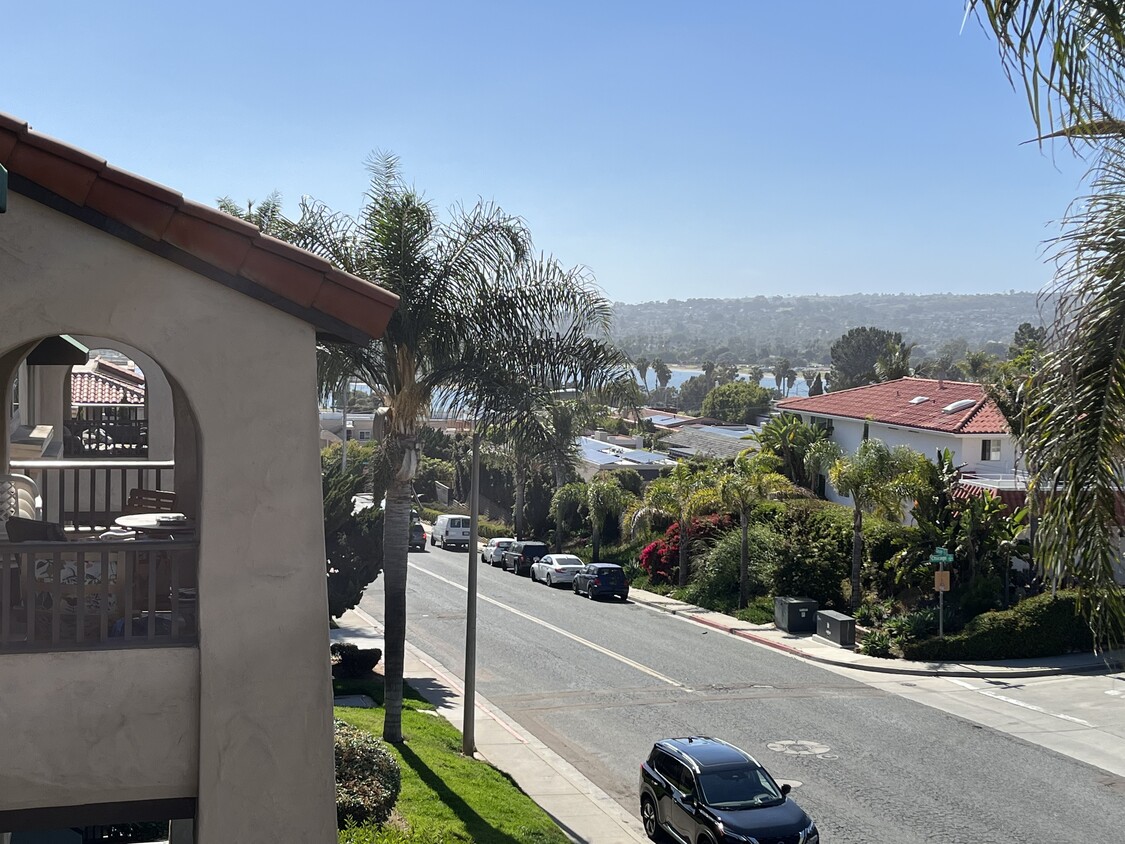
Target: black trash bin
(795, 615)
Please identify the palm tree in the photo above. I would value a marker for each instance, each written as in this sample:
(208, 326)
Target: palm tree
(876, 478)
(1069, 55)
(894, 362)
(788, 438)
(662, 372)
(602, 497)
(682, 494)
(642, 365)
(753, 477)
(449, 278)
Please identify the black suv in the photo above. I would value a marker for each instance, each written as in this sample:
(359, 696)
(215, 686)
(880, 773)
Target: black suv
(702, 790)
(417, 536)
(520, 555)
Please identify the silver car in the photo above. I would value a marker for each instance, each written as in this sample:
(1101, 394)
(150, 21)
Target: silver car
(556, 568)
(493, 552)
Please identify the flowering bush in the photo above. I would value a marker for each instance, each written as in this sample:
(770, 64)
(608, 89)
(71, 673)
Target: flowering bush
(661, 559)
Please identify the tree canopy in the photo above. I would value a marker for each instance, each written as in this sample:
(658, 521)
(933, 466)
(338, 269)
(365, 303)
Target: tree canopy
(738, 402)
(855, 354)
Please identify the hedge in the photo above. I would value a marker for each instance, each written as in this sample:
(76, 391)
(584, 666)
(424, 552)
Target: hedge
(1036, 627)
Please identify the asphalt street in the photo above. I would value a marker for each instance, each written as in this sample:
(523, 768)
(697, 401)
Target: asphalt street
(599, 682)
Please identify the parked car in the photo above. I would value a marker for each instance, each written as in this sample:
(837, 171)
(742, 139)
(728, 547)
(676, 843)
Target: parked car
(599, 579)
(451, 531)
(702, 789)
(417, 537)
(556, 568)
(521, 554)
(493, 552)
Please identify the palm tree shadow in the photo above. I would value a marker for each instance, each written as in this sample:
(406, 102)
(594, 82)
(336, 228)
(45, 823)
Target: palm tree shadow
(477, 827)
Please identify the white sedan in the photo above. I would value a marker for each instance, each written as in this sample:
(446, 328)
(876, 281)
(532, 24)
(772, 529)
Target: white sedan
(493, 552)
(556, 568)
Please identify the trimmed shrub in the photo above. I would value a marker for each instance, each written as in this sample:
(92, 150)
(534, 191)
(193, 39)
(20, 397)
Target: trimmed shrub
(368, 779)
(350, 662)
(1036, 627)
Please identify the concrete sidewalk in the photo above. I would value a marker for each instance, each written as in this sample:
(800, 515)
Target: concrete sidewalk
(808, 646)
(582, 810)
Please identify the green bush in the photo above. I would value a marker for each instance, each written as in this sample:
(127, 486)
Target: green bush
(1036, 627)
(350, 662)
(368, 779)
(715, 585)
(911, 626)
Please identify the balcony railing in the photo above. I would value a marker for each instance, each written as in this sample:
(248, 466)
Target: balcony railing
(90, 494)
(97, 594)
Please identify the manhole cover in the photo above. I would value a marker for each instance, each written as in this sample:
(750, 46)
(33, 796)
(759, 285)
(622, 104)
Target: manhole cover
(799, 747)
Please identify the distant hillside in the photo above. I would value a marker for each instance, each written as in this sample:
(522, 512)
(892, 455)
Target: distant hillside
(802, 328)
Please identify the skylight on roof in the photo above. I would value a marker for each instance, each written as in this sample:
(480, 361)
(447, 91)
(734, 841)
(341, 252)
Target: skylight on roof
(919, 399)
(958, 405)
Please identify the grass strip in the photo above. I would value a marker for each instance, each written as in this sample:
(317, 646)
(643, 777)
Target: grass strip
(446, 797)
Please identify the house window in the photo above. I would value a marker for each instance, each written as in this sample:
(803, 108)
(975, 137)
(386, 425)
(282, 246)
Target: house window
(822, 422)
(364, 436)
(990, 450)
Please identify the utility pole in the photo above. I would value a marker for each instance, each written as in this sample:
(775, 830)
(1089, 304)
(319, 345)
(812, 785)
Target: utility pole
(468, 731)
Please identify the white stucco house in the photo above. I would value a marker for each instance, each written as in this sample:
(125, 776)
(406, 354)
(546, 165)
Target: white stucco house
(927, 415)
(180, 673)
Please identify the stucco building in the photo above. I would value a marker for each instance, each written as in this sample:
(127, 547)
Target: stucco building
(124, 699)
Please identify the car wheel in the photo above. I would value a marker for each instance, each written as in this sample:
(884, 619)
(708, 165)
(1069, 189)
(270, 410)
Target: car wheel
(589, 593)
(534, 579)
(574, 586)
(548, 581)
(648, 818)
(432, 540)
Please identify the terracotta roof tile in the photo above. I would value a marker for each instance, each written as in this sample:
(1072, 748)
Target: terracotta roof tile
(102, 387)
(225, 242)
(890, 404)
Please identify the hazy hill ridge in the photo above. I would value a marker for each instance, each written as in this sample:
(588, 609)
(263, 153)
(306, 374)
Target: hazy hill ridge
(803, 327)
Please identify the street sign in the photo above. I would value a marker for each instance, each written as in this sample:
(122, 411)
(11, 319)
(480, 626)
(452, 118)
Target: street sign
(941, 557)
(941, 581)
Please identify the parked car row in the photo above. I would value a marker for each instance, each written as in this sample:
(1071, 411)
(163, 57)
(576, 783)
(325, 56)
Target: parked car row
(594, 580)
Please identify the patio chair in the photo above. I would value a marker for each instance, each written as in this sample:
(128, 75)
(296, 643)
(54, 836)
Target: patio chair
(150, 501)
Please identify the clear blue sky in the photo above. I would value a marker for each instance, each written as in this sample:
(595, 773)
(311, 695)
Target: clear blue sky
(679, 150)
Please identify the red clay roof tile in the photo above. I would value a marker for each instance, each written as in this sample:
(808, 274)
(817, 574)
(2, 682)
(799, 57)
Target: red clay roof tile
(225, 242)
(890, 404)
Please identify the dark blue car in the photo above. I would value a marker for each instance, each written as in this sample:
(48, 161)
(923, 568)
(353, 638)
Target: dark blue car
(701, 790)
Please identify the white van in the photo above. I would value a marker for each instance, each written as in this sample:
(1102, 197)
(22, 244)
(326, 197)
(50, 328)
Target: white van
(451, 531)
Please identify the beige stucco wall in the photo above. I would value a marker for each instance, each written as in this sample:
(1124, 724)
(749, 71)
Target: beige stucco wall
(79, 728)
(265, 731)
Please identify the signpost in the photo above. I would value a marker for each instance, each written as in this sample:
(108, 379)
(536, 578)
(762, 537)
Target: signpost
(940, 557)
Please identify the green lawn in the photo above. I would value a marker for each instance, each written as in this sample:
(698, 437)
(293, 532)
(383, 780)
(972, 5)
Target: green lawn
(445, 797)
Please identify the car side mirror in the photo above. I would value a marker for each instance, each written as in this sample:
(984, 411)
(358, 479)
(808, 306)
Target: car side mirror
(785, 789)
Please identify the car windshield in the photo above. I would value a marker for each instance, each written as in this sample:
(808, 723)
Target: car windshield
(739, 788)
(609, 574)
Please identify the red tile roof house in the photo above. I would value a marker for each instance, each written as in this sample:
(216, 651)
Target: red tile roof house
(207, 699)
(925, 414)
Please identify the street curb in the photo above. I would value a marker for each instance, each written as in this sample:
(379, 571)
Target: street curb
(1000, 672)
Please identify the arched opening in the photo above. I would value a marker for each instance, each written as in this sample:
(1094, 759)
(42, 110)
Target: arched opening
(100, 542)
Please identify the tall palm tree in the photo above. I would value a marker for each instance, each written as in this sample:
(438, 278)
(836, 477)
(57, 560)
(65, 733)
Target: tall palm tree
(602, 497)
(876, 478)
(642, 365)
(753, 477)
(682, 494)
(662, 372)
(449, 277)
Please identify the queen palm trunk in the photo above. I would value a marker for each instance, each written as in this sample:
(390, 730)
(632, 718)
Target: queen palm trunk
(519, 476)
(857, 555)
(685, 536)
(744, 563)
(396, 532)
